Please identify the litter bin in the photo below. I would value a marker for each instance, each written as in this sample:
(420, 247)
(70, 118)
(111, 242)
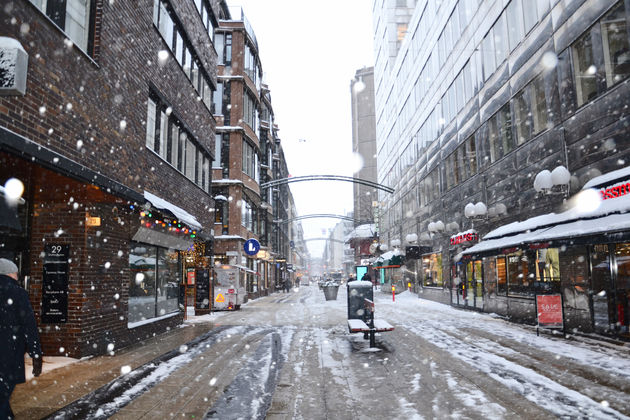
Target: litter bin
(330, 291)
(358, 291)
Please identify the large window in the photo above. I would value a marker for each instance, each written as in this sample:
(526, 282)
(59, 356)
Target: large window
(177, 41)
(584, 69)
(539, 105)
(168, 138)
(462, 163)
(154, 283)
(249, 110)
(499, 141)
(250, 160)
(614, 31)
(533, 271)
(607, 48)
(74, 17)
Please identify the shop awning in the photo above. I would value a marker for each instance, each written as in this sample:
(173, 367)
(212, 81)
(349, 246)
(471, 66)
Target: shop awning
(179, 213)
(361, 232)
(165, 240)
(606, 218)
(389, 259)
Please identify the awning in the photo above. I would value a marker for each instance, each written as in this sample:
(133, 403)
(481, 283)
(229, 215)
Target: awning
(9, 212)
(609, 219)
(177, 212)
(9, 215)
(389, 259)
(162, 239)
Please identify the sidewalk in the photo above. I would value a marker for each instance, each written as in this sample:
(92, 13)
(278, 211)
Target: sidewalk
(54, 389)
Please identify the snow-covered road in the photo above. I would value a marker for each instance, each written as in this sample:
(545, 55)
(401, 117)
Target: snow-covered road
(289, 356)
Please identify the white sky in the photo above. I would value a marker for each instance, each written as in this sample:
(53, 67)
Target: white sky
(310, 52)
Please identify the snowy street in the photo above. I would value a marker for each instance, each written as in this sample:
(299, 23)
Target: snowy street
(290, 356)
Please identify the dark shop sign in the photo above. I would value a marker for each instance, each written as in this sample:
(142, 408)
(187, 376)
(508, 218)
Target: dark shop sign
(202, 292)
(55, 284)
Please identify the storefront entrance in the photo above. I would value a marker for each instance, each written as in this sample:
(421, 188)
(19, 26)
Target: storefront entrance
(467, 284)
(611, 287)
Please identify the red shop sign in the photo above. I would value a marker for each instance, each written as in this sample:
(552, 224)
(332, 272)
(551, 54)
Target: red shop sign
(616, 191)
(549, 309)
(464, 237)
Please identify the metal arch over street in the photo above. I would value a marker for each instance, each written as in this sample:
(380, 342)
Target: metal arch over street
(324, 239)
(282, 181)
(312, 216)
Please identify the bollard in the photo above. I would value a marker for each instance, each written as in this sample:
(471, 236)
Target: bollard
(393, 293)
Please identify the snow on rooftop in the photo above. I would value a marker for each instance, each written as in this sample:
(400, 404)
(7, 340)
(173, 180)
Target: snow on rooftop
(608, 177)
(180, 213)
(362, 231)
(592, 207)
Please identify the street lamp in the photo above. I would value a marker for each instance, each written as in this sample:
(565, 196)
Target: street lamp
(411, 238)
(435, 227)
(474, 212)
(554, 182)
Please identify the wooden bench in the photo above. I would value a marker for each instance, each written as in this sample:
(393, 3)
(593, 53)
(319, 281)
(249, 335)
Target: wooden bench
(369, 325)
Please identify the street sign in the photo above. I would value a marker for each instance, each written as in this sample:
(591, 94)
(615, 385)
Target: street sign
(251, 247)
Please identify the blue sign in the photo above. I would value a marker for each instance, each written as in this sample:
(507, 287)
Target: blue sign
(252, 246)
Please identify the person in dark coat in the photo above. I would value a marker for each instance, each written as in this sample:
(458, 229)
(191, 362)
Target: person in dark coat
(18, 334)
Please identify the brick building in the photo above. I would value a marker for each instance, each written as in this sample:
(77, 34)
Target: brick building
(248, 154)
(112, 141)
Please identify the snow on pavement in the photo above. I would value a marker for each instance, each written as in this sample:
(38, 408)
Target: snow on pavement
(437, 324)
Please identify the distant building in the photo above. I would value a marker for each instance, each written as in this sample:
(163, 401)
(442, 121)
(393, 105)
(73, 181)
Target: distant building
(249, 153)
(364, 143)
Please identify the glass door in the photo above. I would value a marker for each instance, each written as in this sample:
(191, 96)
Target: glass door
(601, 288)
(622, 286)
(478, 283)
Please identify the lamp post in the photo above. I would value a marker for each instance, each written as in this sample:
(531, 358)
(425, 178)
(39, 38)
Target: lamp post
(474, 212)
(435, 227)
(554, 182)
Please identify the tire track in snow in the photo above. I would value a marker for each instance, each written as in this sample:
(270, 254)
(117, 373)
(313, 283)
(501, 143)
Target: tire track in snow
(546, 393)
(110, 398)
(258, 380)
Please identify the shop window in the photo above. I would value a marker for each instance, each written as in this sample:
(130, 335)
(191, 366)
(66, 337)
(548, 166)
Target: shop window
(154, 283)
(574, 277)
(501, 276)
(616, 46)
(518, 270)
(584, 69)
(546, 270)
(490, 275)
(432, 270)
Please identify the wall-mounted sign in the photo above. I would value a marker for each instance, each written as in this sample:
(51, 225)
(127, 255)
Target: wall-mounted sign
(251, 247)
(615, 191)
(55, 284)
(465, 237)
(202, 290)
(92, 221)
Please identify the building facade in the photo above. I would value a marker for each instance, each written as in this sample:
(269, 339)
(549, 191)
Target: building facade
(481, 97)
(105, 158)
(249, 154)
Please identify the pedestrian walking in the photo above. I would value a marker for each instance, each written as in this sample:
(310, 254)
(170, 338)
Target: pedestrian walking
(18, 334)
(287, 285)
